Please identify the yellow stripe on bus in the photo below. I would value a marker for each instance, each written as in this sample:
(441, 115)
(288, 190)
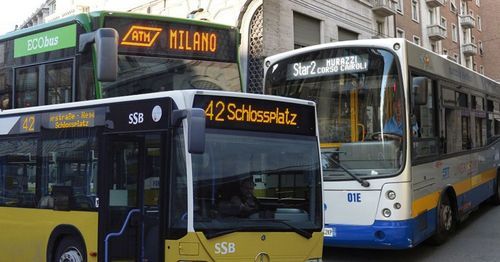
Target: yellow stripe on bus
(431, 200)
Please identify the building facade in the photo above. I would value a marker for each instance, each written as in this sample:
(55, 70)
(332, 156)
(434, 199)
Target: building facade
(452, 28)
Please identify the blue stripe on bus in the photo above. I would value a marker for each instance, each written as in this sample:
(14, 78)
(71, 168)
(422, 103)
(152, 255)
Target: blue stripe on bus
(383, 234)
(401, 234)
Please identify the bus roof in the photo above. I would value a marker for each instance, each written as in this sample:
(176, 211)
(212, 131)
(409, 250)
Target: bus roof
(183, 99)
(434, 64)
(93, 20)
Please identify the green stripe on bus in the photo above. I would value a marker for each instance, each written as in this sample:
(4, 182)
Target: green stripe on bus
(56, 39)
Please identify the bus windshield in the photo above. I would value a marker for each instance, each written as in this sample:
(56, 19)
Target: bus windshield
(359, 98)
(146, 74)
(250, 181)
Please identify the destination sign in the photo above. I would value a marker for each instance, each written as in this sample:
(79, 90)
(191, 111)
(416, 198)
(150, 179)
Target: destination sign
(326, 67)
(174, 39)
(73, 119)
(256, 115)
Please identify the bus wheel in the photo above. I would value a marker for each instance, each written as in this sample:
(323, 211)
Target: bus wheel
(445, 220)
(70, 249)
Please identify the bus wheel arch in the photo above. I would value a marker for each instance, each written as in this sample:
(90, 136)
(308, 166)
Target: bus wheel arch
(65, 235)
(446, 216)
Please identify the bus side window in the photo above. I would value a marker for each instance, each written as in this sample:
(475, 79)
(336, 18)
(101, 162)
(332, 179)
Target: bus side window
(5, 91)
(58, 82)
(26, 89)
(423, 115)
(18, 172)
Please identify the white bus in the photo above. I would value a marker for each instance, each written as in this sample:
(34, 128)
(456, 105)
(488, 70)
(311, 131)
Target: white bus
(158, 177)
(409, 139)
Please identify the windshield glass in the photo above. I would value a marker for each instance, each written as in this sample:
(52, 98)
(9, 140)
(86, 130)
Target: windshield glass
(142, 74)
(251, 181)
(359, 97)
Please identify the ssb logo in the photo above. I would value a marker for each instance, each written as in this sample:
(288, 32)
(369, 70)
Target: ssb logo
(224, 248)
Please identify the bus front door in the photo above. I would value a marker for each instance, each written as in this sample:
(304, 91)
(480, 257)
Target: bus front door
(130, 215)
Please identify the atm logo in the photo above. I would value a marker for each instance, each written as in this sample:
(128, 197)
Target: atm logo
(144, 36)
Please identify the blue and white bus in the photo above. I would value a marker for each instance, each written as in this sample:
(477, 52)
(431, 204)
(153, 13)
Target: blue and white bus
(410, 140)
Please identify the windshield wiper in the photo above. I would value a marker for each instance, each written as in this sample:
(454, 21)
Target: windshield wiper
(286, 168)
(298, 230)
(362, 181)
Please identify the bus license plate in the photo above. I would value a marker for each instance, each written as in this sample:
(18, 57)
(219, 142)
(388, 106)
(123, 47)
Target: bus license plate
(329, 232)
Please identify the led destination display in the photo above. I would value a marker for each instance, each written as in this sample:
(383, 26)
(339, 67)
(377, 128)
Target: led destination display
(256, 115)
(174, 39)
(325, 67)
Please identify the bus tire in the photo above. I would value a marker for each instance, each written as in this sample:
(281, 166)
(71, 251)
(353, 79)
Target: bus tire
(446, 220)
(495, 199)
(70, 249)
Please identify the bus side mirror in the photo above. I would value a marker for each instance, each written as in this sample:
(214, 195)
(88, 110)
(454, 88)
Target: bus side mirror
(106, 41)
(196, 128)
(106, 44)
(420, 87)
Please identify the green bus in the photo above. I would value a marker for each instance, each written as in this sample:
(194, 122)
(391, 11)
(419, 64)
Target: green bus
(108, 54)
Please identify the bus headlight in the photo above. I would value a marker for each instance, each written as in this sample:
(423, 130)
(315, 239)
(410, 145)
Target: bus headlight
(391, 195)
(386, 212)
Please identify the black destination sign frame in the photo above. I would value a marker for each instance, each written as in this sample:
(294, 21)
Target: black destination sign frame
(174, 39)
(257, 115)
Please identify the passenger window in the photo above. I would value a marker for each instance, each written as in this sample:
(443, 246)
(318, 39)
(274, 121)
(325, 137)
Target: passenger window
(479, 125)
(5, 91)
(71, 162)
(18, 173)
(423, 119)
(26, 90)
(457, 118)
(58, 79)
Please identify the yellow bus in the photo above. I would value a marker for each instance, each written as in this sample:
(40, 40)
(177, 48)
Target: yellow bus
(153, 177)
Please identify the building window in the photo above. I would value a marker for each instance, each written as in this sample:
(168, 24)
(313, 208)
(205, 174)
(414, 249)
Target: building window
(414, 10)
(431, 16)
(481, 69)
(479, 27)
(478, 2)
(480, 45)
(380, 29)
(474, 66)
(453, 6)
(399, 6)
(445, 52)
(400, 33)
(416, 40)
(434, 47)
(52, 7)
(444, 23)
(455, 57)
(306, 30)
(345, 34)
(463, 8)
(468, 62)
(473, 39)
(454, 34)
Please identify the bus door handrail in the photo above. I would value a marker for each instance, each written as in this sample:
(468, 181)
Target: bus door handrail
(116, 234)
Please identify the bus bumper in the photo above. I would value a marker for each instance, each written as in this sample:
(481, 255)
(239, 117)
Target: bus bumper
(380, 235)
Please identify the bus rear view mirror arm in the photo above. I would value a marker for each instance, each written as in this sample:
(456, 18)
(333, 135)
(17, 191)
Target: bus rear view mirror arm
(106, 44)
(196, 128)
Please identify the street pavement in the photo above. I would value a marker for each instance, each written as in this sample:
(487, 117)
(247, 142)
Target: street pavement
(476, 239)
